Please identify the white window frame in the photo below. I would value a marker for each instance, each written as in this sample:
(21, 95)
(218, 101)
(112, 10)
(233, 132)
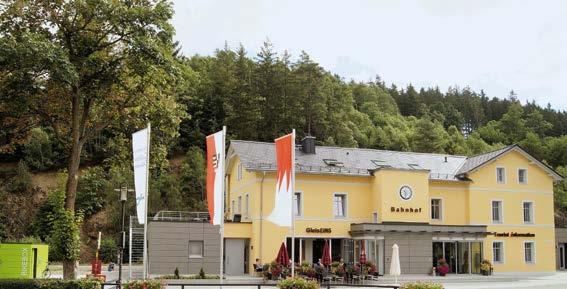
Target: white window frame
(525, 182)
(533, 261)
(301, 201)
(375, 217)
(247, 206)
(440, 208)
(345, 205)
(532, 212)
(239, 172)
(501, 212)
(503, 175)
(202, 246)
(501, 252)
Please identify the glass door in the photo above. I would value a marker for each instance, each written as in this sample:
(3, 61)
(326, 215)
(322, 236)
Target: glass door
(451, 256)
(562, 256)
(476, 257)
(463, 257)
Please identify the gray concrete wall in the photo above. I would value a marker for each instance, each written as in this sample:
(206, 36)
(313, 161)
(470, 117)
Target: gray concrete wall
(168, 247)
(416, 252)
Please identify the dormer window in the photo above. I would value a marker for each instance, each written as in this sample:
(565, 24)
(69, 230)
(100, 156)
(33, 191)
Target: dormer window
(380, 164)
(414, 166)
(333, 162)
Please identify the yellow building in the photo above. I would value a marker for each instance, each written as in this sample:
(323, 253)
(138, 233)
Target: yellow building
(496, 206)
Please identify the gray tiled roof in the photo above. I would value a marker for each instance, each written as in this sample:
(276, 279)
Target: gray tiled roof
(476, 161)
(355, 161)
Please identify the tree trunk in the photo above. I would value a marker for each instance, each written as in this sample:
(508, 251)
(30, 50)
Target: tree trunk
(73, 173)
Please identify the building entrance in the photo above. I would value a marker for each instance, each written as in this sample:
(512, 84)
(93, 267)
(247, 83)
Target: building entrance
(461, 257)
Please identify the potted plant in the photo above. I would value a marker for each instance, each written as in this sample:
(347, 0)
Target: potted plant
(485, 267)
(297, 283)
(442, 267)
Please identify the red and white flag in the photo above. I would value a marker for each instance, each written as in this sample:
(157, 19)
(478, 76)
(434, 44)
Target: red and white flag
(285, 178)
(215, 176)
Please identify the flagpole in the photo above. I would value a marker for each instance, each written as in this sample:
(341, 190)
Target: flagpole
(221, 274)
(293, 203)
(145, 257)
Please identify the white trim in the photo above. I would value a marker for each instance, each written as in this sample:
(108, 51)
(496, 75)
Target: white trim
(502, 250)
(501, 211)
(525, 175)
(533, 253)
(345, 209)
(500, 190)
(441, 209)
(514, 225)
(375, 217)
(368, 238)
(302, 204)
(532, 212)
(504, 175)
(239, 172)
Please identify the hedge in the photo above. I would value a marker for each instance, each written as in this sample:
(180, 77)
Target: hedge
(49, 284)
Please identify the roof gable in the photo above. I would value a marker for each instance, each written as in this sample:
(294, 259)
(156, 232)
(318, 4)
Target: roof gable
(476, 162)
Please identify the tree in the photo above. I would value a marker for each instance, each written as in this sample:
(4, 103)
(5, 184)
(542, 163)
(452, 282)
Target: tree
(429, 137)
(83, 66)
(512, 123)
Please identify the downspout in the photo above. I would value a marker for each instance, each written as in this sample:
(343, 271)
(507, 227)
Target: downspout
(261, 212)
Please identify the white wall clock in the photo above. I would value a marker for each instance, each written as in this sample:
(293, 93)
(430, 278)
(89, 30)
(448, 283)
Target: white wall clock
(406, 192)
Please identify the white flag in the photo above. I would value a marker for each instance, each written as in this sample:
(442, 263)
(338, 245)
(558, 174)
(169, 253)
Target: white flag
(141, 151)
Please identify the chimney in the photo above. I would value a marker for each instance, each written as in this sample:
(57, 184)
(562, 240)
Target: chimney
(308, 144)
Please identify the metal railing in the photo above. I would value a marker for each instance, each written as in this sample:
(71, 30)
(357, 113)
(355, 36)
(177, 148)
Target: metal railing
(181, 216)
(260, 285)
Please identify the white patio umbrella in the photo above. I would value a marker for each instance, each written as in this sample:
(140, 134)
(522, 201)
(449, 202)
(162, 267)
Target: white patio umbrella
(395, 264)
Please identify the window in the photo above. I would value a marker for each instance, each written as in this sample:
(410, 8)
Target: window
(528, 208)
(233, 208)
(522, 176)
(247, 206)
(339, 205)
(436, 209)
(195, 249)
(239, 172)
(500, 175)
(498, 252)
(297, 205)
(497, 211)
(375, 217)
(529, 252)
(240, 204)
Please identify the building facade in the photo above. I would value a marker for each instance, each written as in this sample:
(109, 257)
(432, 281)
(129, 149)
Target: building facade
(496, 206)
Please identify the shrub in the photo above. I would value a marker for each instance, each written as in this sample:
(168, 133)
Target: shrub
(145, 284)
(297, 283)
(38, 152)
(91, 191)
(422, 285)
(49, 284)
(65, 239)
(44, 220)
(202, 274)
(176, 273)
(108, 250)
(21, 182)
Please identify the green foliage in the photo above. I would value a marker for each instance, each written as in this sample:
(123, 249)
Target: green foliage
(560, 190)
(24, 240)
(91, 191)
(108, 250)
(44, 222)
(192, 179)
(297, 283)
(21, 182)
(429, 137)
(145, 284)
(64, 241)
(176, 273)
(38, 152)
(49, 284)
(422, 285)
(201, 274)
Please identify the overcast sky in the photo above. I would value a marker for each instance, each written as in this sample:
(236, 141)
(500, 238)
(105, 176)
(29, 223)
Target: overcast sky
(492, 45)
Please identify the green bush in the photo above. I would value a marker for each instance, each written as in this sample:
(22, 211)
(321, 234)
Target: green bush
(91, 191)
(108, 250)
(145, 284)
(38, 152)
(297, 283)
(44, 220)
(49, 284)
(21, 181)
(202, 274)
(65, 239)
(422, 285)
